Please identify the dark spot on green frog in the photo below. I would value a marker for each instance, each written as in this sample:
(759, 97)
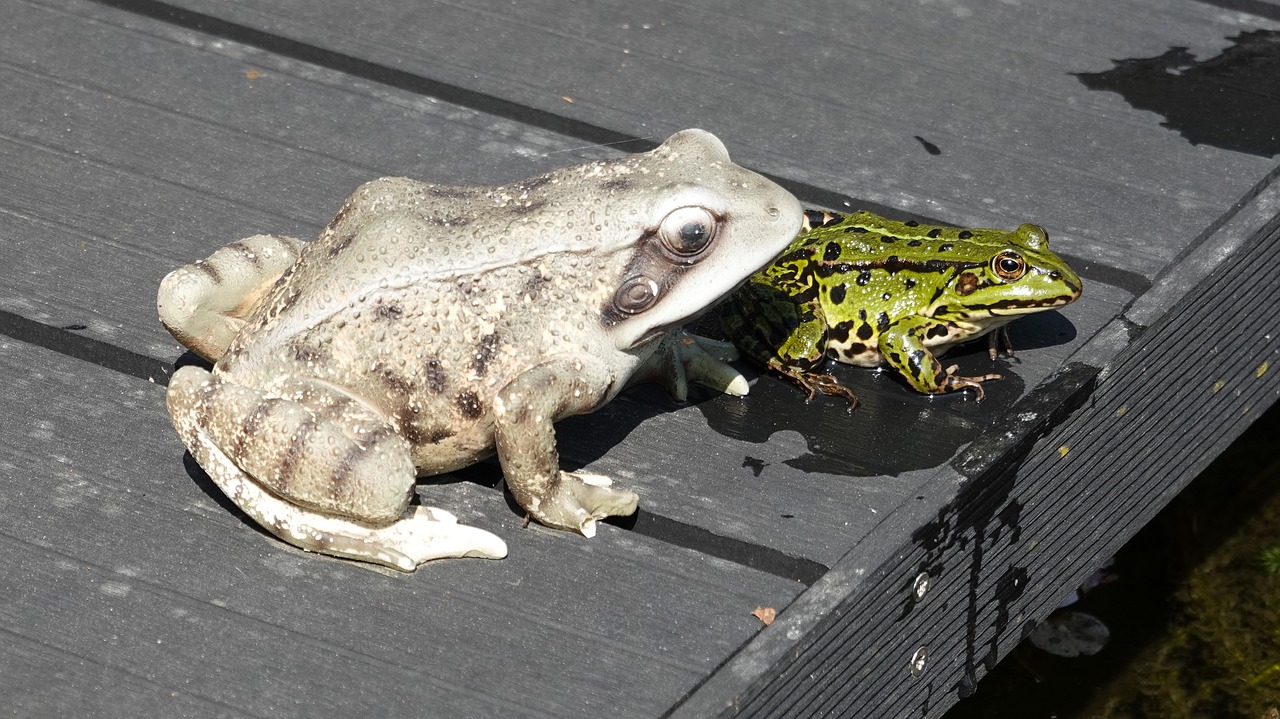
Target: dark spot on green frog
(914, 243)
(886, 296)
(938, 330)
(911, 223)
(888, 239)
(947, 246)
(469, 405)
(909, 283)
(839, 332)
(863, 278)
(915, 361)
(865, 332)
(831, 252)
(964, 234)
(838, 292)
(882, 321)
(935, 232)
(855, 229)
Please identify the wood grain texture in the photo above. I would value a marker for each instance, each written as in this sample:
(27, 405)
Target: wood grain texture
(130, 566)
(854, 85)
(159, 166)
(141, 136)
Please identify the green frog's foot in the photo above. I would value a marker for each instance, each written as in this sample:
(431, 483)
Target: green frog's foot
(815, 382)
(580, 500)
(955, 382)
(683, 357)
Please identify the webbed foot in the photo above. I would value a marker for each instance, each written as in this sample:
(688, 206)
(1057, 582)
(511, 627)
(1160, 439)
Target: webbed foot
(815, 382)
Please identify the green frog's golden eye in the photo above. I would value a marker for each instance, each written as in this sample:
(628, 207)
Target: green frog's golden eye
(687, 231)
(1009, 265)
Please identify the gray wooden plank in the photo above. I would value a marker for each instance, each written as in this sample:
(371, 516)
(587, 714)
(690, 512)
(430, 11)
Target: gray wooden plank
(115, 560)
(836, 93)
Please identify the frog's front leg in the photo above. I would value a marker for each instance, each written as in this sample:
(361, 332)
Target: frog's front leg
(204, 304)
(318, 469)
(523, 413)
(803, 352)
(902, 346)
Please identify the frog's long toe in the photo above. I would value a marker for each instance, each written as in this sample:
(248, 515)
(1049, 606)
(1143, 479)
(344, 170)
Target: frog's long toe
(956, 382)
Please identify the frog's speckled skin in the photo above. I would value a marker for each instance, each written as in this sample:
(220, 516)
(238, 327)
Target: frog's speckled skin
(869, 291)
(429, 325)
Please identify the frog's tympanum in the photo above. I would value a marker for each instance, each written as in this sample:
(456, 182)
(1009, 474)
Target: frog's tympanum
(429, 326)
(869, 291)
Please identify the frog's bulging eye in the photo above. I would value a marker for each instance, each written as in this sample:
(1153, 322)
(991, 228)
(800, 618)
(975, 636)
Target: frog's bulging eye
(688, 231)
(1009, 266)
(636, 294)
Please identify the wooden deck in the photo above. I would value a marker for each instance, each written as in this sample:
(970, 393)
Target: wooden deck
(136, 136)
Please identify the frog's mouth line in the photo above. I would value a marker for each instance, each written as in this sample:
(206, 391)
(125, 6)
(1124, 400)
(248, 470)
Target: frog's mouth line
(1019, 307)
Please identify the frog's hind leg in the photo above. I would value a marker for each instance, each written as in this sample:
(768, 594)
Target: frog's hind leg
(318, 470)
(204, 304)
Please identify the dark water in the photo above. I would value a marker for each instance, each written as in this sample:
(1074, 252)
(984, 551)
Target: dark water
(1194, 615)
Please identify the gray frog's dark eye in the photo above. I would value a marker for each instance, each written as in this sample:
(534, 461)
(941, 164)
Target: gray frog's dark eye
(688, 231)
(1009, 265)
(636, 294)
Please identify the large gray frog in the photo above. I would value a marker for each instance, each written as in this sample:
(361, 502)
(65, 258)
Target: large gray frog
(428, 326)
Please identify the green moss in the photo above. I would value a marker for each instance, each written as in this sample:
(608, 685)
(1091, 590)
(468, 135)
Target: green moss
(1221, 655)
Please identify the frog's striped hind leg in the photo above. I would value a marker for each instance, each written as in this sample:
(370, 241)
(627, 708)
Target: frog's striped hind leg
(319, 472)
(204, 304)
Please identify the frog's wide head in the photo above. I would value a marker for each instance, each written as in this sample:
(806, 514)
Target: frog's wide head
(1021, 275)
(699, 227)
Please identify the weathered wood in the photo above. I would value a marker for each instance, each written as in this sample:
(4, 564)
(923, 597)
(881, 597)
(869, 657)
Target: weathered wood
(139, 203)
(141, 135)
(853, 84)
(113, 555)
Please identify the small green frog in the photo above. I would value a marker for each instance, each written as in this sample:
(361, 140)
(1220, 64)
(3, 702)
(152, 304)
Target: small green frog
(869, 291)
